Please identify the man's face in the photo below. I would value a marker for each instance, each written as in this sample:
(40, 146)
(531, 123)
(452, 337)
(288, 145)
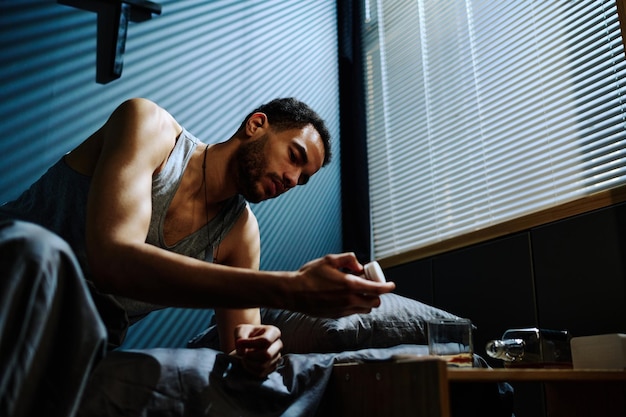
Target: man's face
(274, 162)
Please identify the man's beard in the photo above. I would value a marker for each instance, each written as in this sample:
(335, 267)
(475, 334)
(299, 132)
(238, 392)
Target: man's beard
(251, 165)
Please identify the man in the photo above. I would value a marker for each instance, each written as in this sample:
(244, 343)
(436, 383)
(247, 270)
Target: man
(144, 205)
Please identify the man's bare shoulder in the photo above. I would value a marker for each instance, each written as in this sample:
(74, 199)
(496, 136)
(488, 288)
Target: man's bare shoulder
(247, 225)
(249, 229)
(241, 246)
(142, 124)
(138, 132)
(148, 113)
(135, 124)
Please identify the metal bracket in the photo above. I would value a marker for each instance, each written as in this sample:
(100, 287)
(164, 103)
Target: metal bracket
(113, 18)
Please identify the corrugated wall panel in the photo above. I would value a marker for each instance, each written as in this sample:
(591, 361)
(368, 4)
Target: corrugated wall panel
(209, 63)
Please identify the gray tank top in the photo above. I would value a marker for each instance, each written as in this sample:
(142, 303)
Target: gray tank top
(58, 201)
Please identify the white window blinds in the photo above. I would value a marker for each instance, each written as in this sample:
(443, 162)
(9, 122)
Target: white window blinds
(479, 112)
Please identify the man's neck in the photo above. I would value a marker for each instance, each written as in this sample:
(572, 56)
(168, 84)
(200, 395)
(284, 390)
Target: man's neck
(216, 176)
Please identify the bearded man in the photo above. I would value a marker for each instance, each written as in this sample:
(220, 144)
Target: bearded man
(155, 218)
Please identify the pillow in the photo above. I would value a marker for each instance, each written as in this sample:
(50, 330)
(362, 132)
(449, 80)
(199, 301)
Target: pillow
(398, 320)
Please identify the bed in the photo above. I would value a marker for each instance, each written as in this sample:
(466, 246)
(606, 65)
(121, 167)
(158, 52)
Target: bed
(200, 381)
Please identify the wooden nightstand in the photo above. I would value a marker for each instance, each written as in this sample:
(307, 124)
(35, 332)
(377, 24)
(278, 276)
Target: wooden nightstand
(569, 393)
(420, 386)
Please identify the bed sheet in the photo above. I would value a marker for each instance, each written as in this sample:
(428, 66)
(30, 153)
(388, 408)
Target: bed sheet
(205, 382)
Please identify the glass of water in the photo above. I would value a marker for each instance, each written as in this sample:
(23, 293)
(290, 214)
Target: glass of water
(451, 339)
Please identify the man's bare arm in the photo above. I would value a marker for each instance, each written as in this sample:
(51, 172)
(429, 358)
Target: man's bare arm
(240, 248)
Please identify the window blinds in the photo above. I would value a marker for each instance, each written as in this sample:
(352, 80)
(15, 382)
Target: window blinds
(479, 112)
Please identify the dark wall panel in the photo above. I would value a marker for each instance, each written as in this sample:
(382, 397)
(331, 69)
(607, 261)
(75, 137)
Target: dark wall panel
(490, 283)
(413, 280)
(580, 272)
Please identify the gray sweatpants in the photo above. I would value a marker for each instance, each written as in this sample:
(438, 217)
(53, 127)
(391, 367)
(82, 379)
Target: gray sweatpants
(51, 335)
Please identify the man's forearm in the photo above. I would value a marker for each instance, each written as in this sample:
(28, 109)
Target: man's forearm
(147, 273)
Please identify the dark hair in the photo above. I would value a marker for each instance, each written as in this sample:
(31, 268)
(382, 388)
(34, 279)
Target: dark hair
(290, 113)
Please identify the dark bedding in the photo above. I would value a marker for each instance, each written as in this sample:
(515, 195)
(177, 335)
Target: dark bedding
(204, 382)
(200, 381)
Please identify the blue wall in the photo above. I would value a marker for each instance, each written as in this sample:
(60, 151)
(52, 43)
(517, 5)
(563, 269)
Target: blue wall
(209, 64)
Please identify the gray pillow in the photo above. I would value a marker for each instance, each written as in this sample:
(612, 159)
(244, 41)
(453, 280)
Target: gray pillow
(398, 320)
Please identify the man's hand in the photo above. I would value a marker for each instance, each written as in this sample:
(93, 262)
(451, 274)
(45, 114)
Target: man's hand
(323, 288)
(259, 348)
